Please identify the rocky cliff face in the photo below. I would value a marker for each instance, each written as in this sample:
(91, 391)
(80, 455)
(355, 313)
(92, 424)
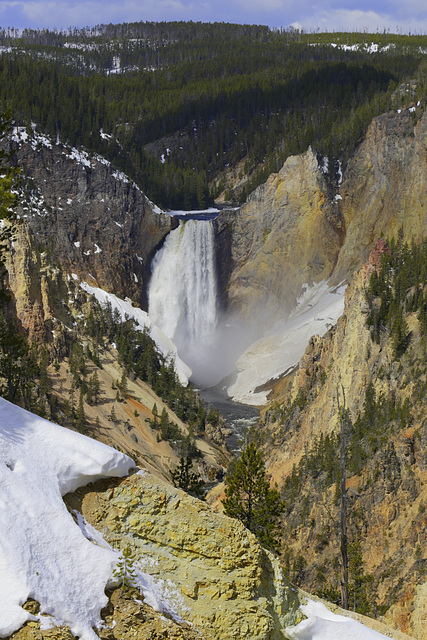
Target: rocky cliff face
(288, 234)
(89, 217)
(304, 226)
(386, 499)
(384, 187)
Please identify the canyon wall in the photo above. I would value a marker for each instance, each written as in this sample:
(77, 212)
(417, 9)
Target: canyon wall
(89, 218)
(305, 224)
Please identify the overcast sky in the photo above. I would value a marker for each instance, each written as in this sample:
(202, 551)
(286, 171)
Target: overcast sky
(325, 15)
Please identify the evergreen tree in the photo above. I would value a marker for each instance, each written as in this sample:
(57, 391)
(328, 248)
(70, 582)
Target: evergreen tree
(186, 479)
(113, 416)
(93, 390)
(18, 365)
(250, 499)
(362, 598)
(81, 416)
(9, 177)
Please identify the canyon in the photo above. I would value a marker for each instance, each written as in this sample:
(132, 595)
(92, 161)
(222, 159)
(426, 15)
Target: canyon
(305, 230)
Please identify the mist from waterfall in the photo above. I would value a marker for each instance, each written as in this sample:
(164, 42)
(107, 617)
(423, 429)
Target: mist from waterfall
(182, 299)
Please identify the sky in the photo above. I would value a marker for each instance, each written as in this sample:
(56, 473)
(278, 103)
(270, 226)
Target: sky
(324, 15)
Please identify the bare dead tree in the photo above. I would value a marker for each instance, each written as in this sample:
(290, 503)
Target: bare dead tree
(344, 540)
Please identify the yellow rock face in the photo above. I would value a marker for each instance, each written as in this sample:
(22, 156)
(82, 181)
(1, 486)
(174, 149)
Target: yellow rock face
(217, 575)
(286, 235)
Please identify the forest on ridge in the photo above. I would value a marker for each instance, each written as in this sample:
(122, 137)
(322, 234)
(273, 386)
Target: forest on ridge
(192, 110)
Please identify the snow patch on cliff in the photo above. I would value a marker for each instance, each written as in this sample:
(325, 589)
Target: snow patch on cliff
(279, 351)
(126, 310)
(322, 624)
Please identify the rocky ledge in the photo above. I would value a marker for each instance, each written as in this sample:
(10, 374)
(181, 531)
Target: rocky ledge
(214, 571)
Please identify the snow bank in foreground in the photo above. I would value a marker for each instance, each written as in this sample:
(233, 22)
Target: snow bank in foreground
(43, 553)
(322, 624)
(125, 309)
(280, 350)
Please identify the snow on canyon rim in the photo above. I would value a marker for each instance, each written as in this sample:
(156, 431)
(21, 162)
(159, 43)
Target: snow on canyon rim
(279, 351)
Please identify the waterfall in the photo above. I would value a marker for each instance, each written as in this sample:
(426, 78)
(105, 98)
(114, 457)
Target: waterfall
(182, 297)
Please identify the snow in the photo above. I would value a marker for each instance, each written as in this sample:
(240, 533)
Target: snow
(279, 351)
(119, 175)
(20, 134)
(361, 46)
(154, 207)
(178, 212)
(339, 172)
(80, 156)
(322, 624)
(43, 553)
(105, 136)
(325, 167)
(142, 319)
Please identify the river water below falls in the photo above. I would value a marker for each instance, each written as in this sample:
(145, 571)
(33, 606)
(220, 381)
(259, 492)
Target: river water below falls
(239, 417)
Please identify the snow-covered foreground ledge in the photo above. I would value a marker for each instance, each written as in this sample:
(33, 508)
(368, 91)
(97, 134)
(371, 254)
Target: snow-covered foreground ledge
(280, 350)
(43, 553)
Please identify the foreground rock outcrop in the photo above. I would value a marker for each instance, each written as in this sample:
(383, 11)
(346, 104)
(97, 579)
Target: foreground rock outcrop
(213, 571)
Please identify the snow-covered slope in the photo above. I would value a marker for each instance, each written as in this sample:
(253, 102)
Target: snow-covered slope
(280, 350)
(43, 552)
(142, 319)
(64, 565)
(322, 624)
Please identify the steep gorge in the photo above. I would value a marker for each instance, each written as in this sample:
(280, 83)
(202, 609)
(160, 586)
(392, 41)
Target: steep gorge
(299, 228)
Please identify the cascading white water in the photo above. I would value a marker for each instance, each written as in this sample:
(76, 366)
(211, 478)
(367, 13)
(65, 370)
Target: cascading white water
(182, 298)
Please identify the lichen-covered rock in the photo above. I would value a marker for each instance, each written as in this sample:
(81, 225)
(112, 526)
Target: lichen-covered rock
(220, 578)
(126, 617)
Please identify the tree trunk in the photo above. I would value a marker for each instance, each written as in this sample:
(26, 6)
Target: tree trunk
(344, 546)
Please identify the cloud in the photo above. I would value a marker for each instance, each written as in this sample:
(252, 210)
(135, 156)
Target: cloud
(65, 13)
(363, 20)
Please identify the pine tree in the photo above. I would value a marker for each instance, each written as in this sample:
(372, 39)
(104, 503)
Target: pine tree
(250, 499)
(9, 178)
(186, 479)
(113, 416)
(81, 416)
(18, 364)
